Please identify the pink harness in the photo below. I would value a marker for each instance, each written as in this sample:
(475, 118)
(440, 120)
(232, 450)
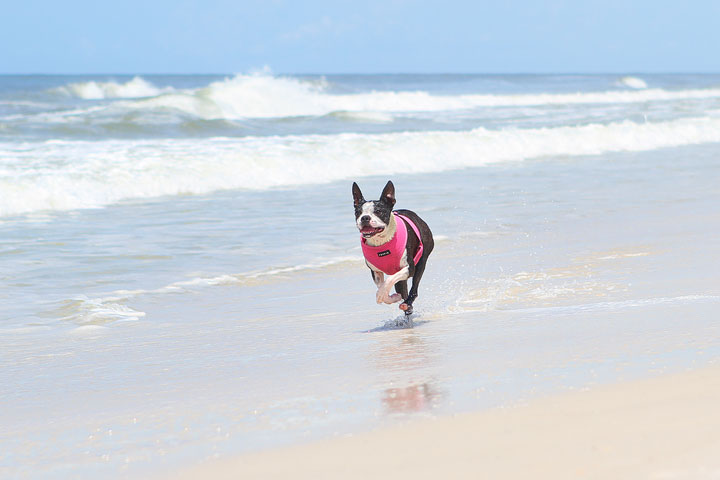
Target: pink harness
(387, 257)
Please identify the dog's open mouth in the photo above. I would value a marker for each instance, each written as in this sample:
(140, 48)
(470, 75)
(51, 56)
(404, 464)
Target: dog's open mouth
(368, 231)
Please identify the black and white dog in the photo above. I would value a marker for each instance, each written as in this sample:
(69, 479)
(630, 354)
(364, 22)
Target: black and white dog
(395, 243)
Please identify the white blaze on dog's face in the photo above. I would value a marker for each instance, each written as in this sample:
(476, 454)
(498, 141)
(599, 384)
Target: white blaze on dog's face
(374, 217)
(369, 223)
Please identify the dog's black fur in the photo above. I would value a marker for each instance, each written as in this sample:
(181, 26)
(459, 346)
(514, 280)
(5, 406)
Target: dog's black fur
(383, 208)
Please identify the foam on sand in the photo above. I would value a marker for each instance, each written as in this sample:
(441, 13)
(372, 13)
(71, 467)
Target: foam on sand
(110, 308)
(85, 311)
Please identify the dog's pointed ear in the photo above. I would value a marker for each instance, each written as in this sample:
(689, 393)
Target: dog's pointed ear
(388, 193)
(357, 195)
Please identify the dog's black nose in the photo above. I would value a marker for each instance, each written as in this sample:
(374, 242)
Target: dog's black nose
(365, 219)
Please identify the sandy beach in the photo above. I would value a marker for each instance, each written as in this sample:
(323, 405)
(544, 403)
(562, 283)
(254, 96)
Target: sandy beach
(664, 428)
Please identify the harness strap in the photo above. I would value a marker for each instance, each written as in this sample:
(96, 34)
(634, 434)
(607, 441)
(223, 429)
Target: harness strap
(419, 252)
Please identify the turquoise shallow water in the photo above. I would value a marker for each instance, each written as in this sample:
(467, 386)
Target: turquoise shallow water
(182, 279)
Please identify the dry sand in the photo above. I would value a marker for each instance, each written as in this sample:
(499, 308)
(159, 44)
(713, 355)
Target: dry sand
(664, 428)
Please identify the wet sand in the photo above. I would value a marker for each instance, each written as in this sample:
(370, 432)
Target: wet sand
(664, 427)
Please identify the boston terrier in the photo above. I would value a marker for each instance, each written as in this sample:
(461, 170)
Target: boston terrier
(394, 243)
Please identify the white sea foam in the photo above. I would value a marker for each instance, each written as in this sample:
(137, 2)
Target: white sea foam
(265, 96)
(135, 88)
(536, 288)
(633, 82)
(62, 175)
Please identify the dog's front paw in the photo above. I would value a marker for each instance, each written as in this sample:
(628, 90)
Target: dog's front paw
(381, 296)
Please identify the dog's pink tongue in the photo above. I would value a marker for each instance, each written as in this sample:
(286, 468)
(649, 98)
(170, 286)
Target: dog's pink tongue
(367, 230)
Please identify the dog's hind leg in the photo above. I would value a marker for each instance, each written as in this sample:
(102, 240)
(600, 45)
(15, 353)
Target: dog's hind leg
(401, 289)
(419, 269)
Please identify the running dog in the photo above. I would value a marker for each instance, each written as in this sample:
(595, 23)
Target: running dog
(394, 243)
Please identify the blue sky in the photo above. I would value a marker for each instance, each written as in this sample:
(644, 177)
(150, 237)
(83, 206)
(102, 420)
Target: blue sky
(318, 36)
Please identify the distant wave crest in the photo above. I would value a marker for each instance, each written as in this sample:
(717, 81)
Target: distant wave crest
(135, 88)
(265, 96)
(633, 82)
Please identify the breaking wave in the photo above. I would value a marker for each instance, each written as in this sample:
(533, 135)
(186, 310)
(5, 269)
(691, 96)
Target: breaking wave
(62, 175)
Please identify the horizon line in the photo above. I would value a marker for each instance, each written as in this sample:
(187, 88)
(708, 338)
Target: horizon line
(597, 73)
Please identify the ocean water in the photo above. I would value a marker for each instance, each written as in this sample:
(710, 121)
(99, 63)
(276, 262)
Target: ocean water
(181, 276)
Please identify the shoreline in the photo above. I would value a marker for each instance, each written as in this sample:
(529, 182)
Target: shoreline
(662, 427)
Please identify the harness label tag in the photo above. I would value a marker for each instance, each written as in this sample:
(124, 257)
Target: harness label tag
(383, 253)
